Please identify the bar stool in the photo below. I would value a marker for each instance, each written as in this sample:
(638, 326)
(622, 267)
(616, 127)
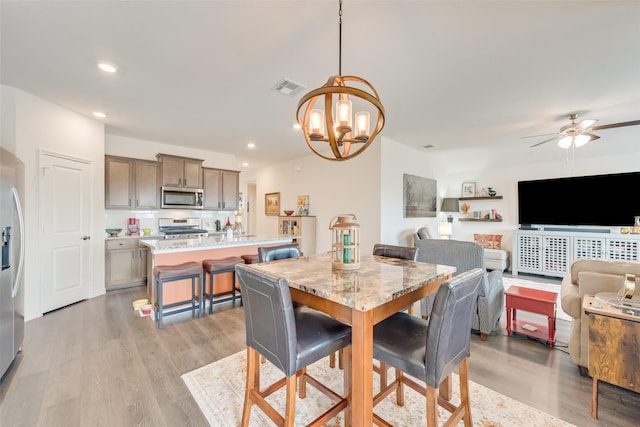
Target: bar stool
(163, 274)
(220, 266)
(250, 259)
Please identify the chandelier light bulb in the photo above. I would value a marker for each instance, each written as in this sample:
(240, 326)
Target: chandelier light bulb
(363, 119)
(316, 124)
(343, 115)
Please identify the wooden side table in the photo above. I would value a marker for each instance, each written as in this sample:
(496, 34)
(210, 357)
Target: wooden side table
(533, 301)
(614, 346)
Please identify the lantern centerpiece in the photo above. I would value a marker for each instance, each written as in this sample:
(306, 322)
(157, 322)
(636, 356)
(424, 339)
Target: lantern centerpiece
(345, 242)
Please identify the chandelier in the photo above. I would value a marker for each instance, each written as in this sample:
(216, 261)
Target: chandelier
(346, 135)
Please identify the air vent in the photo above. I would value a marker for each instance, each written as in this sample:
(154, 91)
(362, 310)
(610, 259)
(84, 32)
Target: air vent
(428, 146)
(288, 87)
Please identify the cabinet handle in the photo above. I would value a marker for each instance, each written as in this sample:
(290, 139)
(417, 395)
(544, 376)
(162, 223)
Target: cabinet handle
(85, 237)
(185, 182)
(223, 205)
(219, 205)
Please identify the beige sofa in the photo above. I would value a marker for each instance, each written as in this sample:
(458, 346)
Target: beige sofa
(589, 277)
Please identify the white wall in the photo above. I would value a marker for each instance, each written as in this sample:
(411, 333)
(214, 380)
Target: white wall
(333, 188)
(42, 125)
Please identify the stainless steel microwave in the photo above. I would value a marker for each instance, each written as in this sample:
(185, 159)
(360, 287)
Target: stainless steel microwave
(182, 198)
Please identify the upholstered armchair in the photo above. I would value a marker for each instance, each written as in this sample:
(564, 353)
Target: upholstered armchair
(466, 256)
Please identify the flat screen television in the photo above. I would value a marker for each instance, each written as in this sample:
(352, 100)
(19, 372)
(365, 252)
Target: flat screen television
(595, 200)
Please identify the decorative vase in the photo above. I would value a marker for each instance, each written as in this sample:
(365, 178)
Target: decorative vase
(637, 221)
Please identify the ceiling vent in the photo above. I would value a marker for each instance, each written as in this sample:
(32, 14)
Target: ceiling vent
(288, 87)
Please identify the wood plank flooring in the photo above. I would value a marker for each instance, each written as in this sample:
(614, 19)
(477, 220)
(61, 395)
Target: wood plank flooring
(96, 364)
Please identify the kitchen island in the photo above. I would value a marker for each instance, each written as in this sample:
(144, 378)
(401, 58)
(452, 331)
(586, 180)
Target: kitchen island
(178, 251)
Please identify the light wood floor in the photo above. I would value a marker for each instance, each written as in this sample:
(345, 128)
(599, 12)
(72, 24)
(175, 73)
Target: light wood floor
(96, 364)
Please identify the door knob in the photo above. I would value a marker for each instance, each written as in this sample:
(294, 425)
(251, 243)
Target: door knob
(85, 237)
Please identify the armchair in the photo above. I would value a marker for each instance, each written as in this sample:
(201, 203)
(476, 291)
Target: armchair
(466, 256)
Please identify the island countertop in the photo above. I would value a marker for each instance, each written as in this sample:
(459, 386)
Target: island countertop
(167, 246)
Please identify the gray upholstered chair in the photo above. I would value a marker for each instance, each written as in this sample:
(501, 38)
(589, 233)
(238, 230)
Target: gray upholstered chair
(392, 251)
(422, 233)
(272, 253)
(291, 340)
(466, 256)
(431, 350)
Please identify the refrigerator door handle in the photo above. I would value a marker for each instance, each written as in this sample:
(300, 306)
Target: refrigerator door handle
(16, 283)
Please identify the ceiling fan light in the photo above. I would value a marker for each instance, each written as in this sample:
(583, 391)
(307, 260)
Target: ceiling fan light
(582, 139)
(565, 142)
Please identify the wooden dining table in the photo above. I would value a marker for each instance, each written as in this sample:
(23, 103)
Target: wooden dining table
(361, 298)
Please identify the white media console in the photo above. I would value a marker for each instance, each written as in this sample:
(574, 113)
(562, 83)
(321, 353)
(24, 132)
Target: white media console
(549, 251)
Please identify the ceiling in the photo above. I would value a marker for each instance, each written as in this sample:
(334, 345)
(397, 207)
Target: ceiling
(452, 74)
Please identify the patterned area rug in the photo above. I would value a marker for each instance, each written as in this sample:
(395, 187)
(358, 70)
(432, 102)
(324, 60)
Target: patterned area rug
(218, 388)
(552, 287)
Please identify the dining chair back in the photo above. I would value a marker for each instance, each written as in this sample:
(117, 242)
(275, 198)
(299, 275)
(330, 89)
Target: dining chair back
(272, 253)
(291, 340)
(393, 251)
(431, 350)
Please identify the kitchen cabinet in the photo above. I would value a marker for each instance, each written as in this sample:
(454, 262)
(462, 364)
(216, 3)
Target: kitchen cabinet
(301, 229)
(126, 263)
(220, 189)
(180, 171)
(131, 183)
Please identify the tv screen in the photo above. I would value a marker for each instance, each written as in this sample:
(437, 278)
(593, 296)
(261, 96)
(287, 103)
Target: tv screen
(596, 200)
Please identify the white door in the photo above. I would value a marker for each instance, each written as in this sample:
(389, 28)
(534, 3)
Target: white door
(65, 193)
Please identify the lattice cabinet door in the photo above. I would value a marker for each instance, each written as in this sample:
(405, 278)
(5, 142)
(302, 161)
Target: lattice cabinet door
(529, 248)
(622, 249)
(589, 248)
(556, 254)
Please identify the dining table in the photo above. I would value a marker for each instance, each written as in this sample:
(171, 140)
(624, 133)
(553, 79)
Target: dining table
(380, 287)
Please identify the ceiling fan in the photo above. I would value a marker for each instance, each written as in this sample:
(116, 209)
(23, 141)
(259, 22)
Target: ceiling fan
(578, 134)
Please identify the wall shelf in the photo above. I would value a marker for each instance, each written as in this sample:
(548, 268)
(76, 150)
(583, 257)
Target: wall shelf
(481, 198)
(480, 219)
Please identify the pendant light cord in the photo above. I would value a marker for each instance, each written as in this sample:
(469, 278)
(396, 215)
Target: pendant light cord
(340, 40)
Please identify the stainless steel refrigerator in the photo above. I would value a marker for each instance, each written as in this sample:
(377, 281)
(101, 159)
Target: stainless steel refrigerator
(12, 254)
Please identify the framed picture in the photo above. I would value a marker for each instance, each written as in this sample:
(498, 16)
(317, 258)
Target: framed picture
(272, 204)
(419, 196)
(303, 205)
(468, 189)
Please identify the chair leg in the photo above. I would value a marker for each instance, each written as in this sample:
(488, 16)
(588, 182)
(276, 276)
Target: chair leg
(253, 370)
(432, 406)
(464, 392)
(290, 409)
(400, 388)
(483, 336)
(332, 360)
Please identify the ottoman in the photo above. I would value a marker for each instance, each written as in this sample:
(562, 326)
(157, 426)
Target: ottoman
(496, 259)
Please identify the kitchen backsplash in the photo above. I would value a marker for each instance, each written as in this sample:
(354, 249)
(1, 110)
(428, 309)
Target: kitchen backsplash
(149, 219)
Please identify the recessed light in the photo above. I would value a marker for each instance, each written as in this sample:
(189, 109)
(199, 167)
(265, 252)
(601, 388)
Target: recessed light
(245, 164)
(251, 145)
(99, 114)
(106, 67)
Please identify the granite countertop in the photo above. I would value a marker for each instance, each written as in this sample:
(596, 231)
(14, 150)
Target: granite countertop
(158, 246)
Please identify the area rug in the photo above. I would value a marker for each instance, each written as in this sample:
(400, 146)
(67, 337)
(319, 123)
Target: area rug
(218, 388)
(552, 287)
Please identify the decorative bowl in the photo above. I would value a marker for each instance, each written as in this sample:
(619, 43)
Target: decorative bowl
(288, 212)
(113, 232)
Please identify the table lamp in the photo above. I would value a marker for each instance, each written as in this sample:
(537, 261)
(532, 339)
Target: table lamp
(450, 204)
(445, 230)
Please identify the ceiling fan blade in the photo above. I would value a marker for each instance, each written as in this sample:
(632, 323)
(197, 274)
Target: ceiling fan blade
(536, 136)
(540, 143)
(617, 125)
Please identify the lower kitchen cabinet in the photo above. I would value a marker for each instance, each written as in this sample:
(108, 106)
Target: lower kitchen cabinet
(126, 263)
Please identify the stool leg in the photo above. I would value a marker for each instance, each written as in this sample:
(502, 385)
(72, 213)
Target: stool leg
(200, 296)
(233, 287)
(193, 297)
(160, 286)
(211, 293)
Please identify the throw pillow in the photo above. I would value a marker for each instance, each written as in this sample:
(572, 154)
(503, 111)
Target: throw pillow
(489, 241)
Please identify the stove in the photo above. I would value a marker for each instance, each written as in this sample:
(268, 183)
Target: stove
(181, 228)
